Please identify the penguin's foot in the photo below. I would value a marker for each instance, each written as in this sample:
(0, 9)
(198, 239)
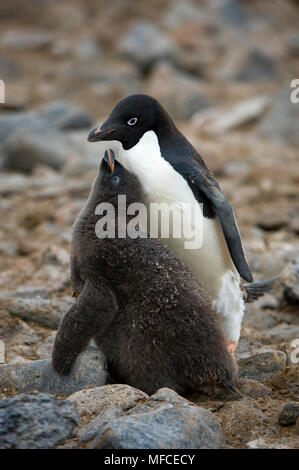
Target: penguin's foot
(231, 347)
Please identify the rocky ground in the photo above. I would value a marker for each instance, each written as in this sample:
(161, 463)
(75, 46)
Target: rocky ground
(223, 70)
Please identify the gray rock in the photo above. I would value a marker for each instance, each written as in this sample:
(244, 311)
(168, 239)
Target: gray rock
(64, 115)
(87, 50)
(29, 292)
(178, 92)
(282, 333)
(290, 281)
(262, 366)
(100, 399)
(15, 122)
(39, 310)
(35, 421)
(22, 40)
(281, 122)
(89, 371)
(164, 421)
(145, 44)
(179, 13)
(233, 12)
(289, 414)
(24, 150)
(253, 388)
(9, 68)
(258, 66)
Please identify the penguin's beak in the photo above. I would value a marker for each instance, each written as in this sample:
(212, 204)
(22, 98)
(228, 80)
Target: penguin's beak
(109, 158)
(98, 134)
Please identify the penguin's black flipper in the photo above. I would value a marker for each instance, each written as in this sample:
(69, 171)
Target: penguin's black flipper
(91, 314)
(258, 289)
(226, 217)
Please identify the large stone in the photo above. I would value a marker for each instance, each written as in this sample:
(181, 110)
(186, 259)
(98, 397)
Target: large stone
(95, 401)
(289, 414)
(290, 281)
(35, 421)
(163, 421)
(89, 371)
(217, 121)
(262, 366)
(281, 122)
(45, 312)
(145, 44)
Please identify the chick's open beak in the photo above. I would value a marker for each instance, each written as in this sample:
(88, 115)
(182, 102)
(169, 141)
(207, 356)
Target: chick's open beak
(109, 157)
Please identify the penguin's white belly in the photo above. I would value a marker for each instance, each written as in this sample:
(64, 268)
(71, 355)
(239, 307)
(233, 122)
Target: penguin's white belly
(211, 263)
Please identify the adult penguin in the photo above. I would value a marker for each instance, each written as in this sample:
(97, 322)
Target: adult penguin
(171, 171)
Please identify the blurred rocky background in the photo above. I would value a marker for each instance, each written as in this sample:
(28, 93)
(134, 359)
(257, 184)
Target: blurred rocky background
(223, 70)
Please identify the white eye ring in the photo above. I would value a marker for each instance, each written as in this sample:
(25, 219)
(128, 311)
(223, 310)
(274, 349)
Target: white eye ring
(132, 121)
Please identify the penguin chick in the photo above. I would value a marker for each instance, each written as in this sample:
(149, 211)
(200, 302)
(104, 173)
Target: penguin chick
(143, 308)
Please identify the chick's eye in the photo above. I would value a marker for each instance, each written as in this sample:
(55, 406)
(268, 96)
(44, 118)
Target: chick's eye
(116, 180)
(132, 121)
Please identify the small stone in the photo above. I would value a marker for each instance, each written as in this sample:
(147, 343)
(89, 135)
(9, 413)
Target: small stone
(56, 255)
(22, 40)
(262, 366)
(35, 421)
(289, 414)
(282, 333)
(29, 292)
(23, 150)
(87, 50)
(145, 44)
(178, 92)
(89, 371)
(233, 13)
(216, 121)
(281, 122)
(179, 13)
(253, 388)
(9, 68)
(258, 66)
(64, 115)
(290, 281)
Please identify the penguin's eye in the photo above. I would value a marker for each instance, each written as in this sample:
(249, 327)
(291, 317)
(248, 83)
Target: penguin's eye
(132, 121)
(115, 180)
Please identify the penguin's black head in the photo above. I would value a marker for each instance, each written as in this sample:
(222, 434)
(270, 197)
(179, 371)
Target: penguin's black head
(115, 180)
(130, 119)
